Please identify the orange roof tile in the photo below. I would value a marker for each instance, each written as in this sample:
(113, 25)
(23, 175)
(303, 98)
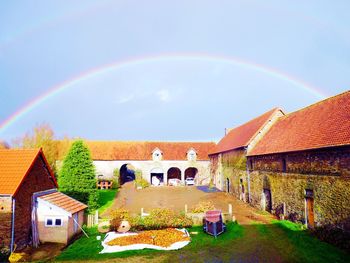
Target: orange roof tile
(242, 135)
(64, 201)
(14, 166)
(126, 150)
(323, 124)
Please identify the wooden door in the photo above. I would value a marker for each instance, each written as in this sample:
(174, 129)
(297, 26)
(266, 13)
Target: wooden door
(310, 212)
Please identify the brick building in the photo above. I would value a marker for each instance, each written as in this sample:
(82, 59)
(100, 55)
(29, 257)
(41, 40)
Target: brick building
(301, 167)
(26, 177)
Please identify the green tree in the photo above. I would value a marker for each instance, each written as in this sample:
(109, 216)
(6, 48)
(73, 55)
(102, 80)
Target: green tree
(77, 175)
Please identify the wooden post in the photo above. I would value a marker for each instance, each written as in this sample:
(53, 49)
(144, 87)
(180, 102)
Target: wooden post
(185, 208)
(230, 209)
(141, 211)
(96, 217)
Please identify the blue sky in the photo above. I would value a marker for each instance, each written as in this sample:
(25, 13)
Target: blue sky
(178, 83)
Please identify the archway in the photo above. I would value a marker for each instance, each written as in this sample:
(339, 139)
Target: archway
(191, 172)
(126, 173)
(174, 173)
(157, 176)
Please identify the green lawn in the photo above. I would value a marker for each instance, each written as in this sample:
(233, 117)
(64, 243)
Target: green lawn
(88, 248)
(106, 198)
(280, 241)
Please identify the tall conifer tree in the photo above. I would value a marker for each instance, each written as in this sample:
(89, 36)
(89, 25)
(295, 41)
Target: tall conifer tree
(77, 175)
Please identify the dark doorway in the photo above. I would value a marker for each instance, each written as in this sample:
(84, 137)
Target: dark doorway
(241, 190)
(268, 200)
(309, 200)
(191, 172)
(126, 174)
(227, 185)
(174, 173)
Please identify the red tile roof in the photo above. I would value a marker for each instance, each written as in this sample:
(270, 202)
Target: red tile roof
(64, 201)
(142, 150)
(241, 136)
(15, 164)
(323, 124)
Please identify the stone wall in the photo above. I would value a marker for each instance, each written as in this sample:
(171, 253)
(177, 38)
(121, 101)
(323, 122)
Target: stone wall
(5, 220)
(37, 180)
(228, 170)
(333, 161)
(331, 195)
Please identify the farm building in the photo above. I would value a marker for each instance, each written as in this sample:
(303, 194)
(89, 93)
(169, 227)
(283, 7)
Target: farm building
(228, 158)
(157, 161)
(301, 167)
(25, 178)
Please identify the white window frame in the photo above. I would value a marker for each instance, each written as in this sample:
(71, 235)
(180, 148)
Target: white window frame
(53, 218)
(191, 155)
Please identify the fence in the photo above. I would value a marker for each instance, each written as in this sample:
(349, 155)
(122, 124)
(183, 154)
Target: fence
(92, 220)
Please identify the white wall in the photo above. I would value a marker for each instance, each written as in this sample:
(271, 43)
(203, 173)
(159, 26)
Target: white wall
(106, 168)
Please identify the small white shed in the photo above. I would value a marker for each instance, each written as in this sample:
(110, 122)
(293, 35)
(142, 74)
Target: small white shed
(58, 217)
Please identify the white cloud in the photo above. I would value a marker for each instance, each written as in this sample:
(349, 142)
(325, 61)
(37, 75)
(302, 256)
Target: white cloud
(163, 95)
(125, 99)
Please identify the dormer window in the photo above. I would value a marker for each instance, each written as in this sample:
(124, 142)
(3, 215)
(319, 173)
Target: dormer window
(157, 155)
(191, 155)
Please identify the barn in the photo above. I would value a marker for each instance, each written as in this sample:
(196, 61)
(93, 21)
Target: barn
(27, 180)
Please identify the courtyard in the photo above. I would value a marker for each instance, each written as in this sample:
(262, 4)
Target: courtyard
(256, 236)
(175, 198)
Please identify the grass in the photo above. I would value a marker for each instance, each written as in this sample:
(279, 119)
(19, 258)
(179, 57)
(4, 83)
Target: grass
(308, 248)
(281, 241)
(89, 248)
(106, 198)
(297, 244)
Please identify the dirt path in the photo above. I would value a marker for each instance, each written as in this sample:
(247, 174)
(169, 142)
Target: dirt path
(176, 197)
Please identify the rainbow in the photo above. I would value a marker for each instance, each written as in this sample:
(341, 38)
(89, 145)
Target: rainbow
(95, 72)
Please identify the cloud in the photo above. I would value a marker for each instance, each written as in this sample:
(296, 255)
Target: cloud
(163, 95)
(125, 99)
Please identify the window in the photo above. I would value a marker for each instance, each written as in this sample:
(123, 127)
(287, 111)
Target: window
(284, 165)
(53, 221)
(157, 155)
(191, 155)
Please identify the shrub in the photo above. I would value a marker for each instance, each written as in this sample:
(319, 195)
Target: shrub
(4, 253)
(158, 218)
(161, 218)
(139, 180)
(116, 179)
(202, 207)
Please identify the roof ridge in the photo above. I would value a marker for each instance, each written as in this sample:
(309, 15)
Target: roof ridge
(264, 124)
(316, 103)
(252, 120)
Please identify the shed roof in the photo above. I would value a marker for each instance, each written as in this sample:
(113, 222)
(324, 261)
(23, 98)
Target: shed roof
(323, 124)
(63, 201)
(15, 164)
(242, 135)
